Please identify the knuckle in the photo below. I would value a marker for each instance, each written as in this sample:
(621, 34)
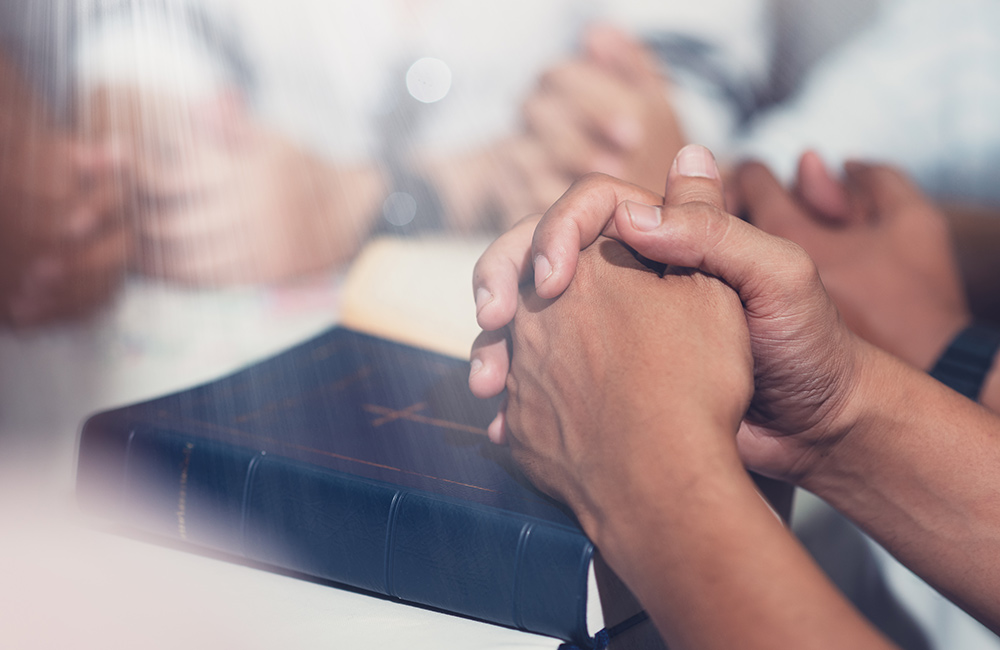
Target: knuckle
(593, 180)
(595, 186)
(486, 268)
(529, 221)
(709, 222)
(800, 267)
(700, 191)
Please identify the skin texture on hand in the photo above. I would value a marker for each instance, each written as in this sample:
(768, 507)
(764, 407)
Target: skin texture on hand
(64, 244)
(890, 259)
(607, 111)
(597, 373)
(219, 199)
(794, 328)
(882, 249)
(624, 396)
(913, 463)
(625, 392)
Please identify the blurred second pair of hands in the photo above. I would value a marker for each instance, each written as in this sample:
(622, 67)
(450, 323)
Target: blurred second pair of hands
(63, 245)
(884, 251)
(202, 193)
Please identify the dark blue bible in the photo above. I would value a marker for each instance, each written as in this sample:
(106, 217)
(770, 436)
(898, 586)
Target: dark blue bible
(355, 460)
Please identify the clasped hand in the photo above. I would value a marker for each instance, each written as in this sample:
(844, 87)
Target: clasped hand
(63, 240)
(883, 250)
(598, 373)
(631, 364)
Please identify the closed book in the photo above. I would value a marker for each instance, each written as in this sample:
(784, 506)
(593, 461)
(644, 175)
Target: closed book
(355, 460)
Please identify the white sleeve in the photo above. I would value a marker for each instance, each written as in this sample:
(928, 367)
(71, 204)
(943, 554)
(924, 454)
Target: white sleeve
(717, 54)
(919, 88)
(166, 47)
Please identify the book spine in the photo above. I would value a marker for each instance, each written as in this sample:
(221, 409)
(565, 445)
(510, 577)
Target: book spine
(406, 544)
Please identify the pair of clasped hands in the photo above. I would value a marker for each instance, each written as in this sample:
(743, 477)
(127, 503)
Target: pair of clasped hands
(638, 393)
(198, 191)
(194, 193)
(82, 204)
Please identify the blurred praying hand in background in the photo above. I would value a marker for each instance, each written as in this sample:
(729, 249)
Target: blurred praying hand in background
(220, 199)
(883, 250)
(63, 242)
(607, 110)
(203, 170)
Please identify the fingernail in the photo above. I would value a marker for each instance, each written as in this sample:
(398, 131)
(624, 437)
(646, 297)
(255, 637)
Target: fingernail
(543, 269)
(696, 161)
(644, 217)
(483, 298)
(475, 367)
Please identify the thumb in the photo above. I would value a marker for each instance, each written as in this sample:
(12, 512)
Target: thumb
(820, 191)
(692, 229)
(694, 178)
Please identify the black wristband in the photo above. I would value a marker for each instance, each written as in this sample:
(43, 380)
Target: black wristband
(968, 359)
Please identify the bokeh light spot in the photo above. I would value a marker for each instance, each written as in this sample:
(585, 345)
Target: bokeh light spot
(399, 208)
(428, 80)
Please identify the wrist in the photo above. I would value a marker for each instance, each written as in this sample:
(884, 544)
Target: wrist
(668, 486)
(932, 341)
(686, 559)
(892, 404)
(846, 430)
(645, 522)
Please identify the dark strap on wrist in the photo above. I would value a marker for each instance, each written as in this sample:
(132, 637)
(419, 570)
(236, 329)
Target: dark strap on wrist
(603, 637)
(968, 359)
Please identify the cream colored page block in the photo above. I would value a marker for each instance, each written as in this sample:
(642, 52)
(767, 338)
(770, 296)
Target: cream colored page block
(415, 291)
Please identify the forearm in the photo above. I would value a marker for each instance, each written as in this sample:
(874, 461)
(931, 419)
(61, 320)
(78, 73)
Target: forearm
(918, 472)
(715, 569)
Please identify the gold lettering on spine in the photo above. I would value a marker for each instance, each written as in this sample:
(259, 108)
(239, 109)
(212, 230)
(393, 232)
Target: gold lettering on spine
(182, 495)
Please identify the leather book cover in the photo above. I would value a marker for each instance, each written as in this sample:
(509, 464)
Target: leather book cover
(357, 460)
